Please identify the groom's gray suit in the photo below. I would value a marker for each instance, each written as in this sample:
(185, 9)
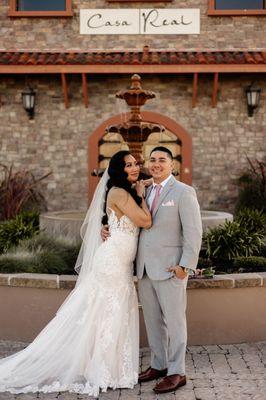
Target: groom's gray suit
(174, 239)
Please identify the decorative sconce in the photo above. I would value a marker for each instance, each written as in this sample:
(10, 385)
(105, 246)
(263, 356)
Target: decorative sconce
(28, 101)
(253, 98)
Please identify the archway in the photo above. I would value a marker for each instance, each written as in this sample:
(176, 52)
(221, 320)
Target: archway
(147, 116)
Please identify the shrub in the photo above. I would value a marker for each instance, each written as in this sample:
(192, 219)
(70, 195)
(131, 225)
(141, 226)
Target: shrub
(23, 226)
(204, 263)
(252, 184)
(250, 264)
(252, 220)
(19, 192)
(230, 241)
(39, 242)
(62, 247)
(41, 254)
(17, 262)
(50, 263)
(263, 248)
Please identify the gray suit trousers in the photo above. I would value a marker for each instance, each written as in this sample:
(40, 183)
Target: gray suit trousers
(164, 309)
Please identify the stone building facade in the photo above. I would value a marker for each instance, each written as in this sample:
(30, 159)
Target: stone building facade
(57, 138)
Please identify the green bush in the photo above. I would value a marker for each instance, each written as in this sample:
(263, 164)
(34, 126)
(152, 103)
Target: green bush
(67, 251)
(204, 263)
(39, 242)
(250, 264)
(41, 254)
(50, 263)
(25, 225)
(263, 248)
(230, 241)
(17, 262)
(252, 220)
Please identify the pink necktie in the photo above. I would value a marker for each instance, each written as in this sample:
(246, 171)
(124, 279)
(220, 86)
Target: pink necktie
(156, 198)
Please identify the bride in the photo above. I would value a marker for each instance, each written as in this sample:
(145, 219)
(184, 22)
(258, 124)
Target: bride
(92, 343)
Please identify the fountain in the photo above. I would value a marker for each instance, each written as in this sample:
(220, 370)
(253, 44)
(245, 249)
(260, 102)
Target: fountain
(134, 132)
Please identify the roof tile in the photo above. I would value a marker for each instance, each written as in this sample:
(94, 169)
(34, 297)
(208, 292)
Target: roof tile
(133, 57)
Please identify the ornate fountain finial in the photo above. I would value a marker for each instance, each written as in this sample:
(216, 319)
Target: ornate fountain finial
(134, 131)
(135, 97)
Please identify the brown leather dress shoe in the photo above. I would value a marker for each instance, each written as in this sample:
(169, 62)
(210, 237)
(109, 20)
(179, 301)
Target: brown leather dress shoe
(170, 383)
(151, 373)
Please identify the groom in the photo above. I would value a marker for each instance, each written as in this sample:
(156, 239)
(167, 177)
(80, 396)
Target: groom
(166, 253)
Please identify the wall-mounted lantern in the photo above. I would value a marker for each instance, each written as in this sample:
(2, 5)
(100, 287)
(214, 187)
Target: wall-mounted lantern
(28, 101)
(253, 98)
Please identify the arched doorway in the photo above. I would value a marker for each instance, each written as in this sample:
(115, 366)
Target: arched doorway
(184, 141)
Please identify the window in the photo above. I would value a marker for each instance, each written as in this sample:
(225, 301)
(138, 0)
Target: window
(239, 4)
(40, 8)
(237, 7)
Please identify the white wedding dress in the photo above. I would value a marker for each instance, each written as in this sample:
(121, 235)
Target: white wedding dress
(93, 341)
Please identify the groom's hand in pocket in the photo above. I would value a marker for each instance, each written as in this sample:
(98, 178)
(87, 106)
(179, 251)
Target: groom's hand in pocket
(179, 272)
(105, 232)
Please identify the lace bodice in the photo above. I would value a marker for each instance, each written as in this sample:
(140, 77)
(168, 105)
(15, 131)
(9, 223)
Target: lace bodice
(122, 224)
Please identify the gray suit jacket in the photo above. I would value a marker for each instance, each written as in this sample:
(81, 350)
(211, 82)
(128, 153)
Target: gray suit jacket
(175, 236)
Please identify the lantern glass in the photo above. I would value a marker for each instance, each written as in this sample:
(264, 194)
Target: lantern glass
(28, 99)
(253, 95)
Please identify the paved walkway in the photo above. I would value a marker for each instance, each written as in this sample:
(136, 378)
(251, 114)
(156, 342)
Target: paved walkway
(221, 372)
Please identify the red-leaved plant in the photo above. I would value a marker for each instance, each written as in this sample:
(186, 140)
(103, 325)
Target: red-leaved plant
(18, 190)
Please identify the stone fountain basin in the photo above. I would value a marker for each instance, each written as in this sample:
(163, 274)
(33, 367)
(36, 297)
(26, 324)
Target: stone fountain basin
(67, 223)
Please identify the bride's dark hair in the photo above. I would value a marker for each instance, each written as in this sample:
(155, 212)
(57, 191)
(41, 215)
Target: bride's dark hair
(118, 178)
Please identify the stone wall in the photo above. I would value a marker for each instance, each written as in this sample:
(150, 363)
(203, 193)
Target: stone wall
(217, 33)
(57, 139)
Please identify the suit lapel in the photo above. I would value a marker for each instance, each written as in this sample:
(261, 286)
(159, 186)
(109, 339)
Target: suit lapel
(148, 192)
(163, 193)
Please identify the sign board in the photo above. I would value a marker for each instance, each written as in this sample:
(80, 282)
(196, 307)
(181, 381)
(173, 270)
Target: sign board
(155, 21)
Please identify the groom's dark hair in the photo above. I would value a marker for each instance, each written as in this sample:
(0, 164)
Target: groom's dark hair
(164, 149)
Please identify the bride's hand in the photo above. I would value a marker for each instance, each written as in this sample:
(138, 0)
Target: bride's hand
(148, 182)
(105, 232)
(140, 188)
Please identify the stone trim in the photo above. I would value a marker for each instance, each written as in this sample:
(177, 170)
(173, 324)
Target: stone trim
(50, 281)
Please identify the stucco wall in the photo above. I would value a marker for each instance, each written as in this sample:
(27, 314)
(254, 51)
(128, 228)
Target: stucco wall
(225, 309)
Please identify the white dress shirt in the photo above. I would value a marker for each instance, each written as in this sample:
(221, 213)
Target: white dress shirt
(152, 192)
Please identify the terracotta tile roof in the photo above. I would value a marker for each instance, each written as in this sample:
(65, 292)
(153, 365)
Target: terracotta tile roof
(145, 57)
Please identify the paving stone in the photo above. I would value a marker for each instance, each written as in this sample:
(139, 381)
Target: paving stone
(202, 383)
(259, 396)
(202, 362)
(7, 396)
(183, 395)
(222, 372)
(129, 396)
(214, 349)
(48, 396)
(219, 363)
(72, 396)
(237, 363)
(110, 395)
(204, 394)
